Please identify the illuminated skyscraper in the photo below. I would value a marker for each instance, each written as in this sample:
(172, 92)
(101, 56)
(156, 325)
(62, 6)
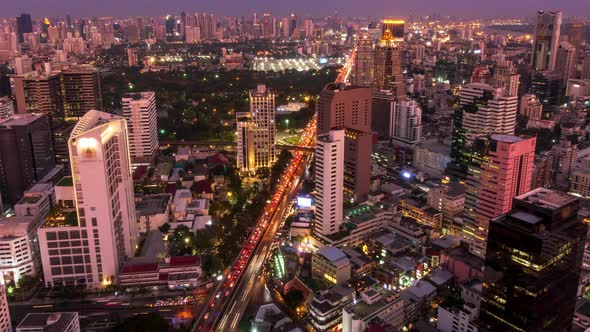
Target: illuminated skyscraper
(81, 90)
(363, 63)
(546, 40)
(103, 227)
(329, 175)
(24, 24)
(501, 168)
(388, 73)
(407, 122)
(533, 264)
(139, 109)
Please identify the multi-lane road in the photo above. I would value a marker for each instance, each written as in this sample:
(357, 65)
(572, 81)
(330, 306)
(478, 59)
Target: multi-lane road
(230, 299)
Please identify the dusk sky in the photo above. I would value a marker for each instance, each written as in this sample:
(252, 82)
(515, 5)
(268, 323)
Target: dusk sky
(377, 8)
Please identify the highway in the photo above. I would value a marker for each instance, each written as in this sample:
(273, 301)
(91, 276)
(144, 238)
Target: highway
(230, 299)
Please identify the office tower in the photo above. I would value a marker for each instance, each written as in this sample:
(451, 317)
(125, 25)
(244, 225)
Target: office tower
(26, 153)
(531, 107)
(483, 110)
(329, 175)
(139, 110)
(363, 63)
(81, 90)
(542, 170)
(565, 156)
(547, 86)
(39, 93)
(103, 225)
(267, 26)
(546, 40)
(388, 73)
(292, 24)
(501, 169)
(6, 107)
(346, 107)
(382, 114)
(170, 28)
(566, 61)
(533, 263)
(506, 77)
(256, 131)
(407, 122)
(575, 34)
(5, 322)
(24, 24)
(586, 68)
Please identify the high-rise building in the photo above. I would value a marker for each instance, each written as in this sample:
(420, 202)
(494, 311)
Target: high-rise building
(133, 56)
(483, 110)
(546, 40)
(530, 107)
(575, 34)
(382, 114)
(388, 73)
(245, 140)
(586, 68)
(292, 24)
(24, 24)
(102, 231)
(26, 153)
(171, 31)
(5, 322)
(547, 86)
(329, 175)
(407, 122)
(533, 263)
(363, 62)
(81, 90)
(566, 61)
(501, 169)
(346, 107)
(542, 170)
(565, 156)
(268, 30)
(506, 76)
(6, 107)
(39, 93)
(262, 110)
(139, 109)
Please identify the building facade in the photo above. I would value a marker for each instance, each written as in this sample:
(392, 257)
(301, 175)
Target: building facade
(139, 110)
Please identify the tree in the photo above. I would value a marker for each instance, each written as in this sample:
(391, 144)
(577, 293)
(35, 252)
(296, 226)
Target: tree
(164, 229)
(294, 298)
(151, 322)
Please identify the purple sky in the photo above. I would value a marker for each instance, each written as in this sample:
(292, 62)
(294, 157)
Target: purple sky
(316, 8)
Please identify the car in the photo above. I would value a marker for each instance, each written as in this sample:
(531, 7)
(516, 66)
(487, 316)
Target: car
(226, 293)
(212, 304)
(231, 284)
(206, 316)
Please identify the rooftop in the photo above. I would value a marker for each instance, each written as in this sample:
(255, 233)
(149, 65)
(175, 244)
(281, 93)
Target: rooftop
(547, 198)
(61, 218)
(526, 217)
(66, 181)
(153, 204)
(48, 322)
(506, 138)
(20, 119)
(332, 254)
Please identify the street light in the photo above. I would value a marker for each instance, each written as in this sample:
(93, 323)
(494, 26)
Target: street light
(287, 121)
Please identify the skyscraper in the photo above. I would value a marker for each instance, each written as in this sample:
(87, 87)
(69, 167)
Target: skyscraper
(575, 34)
(81, 90)
(256, 131)
(26, 153)
(139, 109)
(483, 110)
(268, 30)
(39, 93)
(104, 218)
(586, 68)
(546, 40)
(388, 73)
(533, 263)
(547, 86)
(5, 323)
(506, 77)
(24, 24)
(501, 168)
(566, 61)
(407, 122)
(363, 63)
(329, 175)
(346, 107)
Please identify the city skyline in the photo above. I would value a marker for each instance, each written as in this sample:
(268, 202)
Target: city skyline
(349, 8)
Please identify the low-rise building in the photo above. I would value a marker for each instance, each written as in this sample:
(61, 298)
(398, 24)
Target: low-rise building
(19, 252)
(173, 272)
(432, 157)
(50, 322)
(153, 211)
(330, 264)
(325, 311)
(374, 304)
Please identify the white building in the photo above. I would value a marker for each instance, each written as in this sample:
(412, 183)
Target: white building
(330, 264)
(407, 122)
(6, 107)
(374, 304)
(95, 241)
(18, 248)
(457, 319)
(486, 110)
(432, 157)
(139, 109)
(5, 323)
(329, 178)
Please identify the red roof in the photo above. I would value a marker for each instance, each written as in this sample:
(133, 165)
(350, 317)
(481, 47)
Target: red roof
(139, 173)
(139, 268)
(297, 284)
(184, 260)
(218, 159)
